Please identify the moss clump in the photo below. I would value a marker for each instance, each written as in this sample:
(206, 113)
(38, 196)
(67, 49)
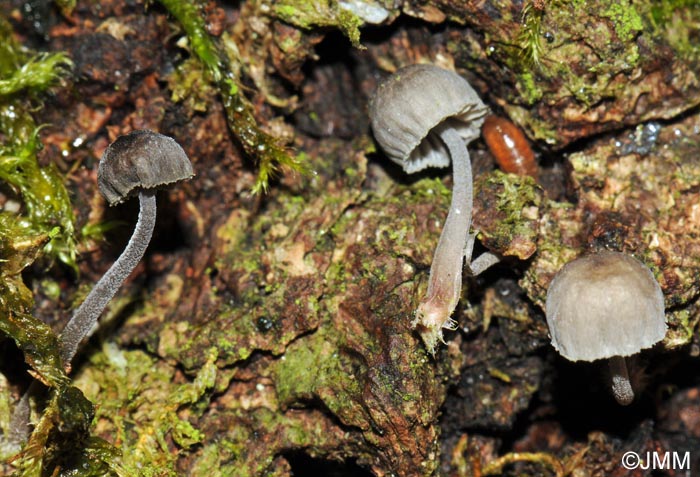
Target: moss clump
(35, 338)
(626, 21)
(265, 148)
(320, 13)
(43, 225)
(135, 384)
(37, 74)
(46, 206)
(678, 22)
(189, 85)
(507, 213)
(530, 37)
(223, 70)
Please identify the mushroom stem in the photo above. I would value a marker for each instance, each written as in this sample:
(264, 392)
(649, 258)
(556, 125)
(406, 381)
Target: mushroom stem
(621, 387)
(19, 422)
(445, 282)
(90, 310)
(481, 263)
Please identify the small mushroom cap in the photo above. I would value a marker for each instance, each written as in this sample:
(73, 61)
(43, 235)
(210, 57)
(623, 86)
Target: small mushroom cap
(604, 305)
(141, 160)
(413, 101)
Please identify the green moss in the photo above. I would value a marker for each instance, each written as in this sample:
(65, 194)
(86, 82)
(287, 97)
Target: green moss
(37, 74)
(309, 14)
(57, 447)
(134, 381)
(189, 14)
(678, 22)
(541, 129)
(209, 462)
(683, 324)
(529, 90)
(32, 336)
(67, 418)
(189, 84)
(518, 193)
(270, 155)
(22, 70)
(233, 455)
(47, 207)
(44, 226)
(530, 37)
(626, 20)
(553, 72)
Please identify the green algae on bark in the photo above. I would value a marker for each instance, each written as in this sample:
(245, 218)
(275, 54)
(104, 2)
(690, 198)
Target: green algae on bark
(679, 22)
(269, 266)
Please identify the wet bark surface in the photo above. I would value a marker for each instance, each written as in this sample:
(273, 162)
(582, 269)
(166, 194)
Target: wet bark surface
(270, 333)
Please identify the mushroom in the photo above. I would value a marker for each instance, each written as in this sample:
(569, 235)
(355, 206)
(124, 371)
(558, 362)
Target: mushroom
(135, 164)
(424, 116)
(607, 305)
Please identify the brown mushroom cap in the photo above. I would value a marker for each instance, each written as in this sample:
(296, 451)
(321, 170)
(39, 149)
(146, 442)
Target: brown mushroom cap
(141, 160)
(413, 101)
(604, 305)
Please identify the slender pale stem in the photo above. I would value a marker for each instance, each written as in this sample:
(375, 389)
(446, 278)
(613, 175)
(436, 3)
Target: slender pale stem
(19, 423)
(90, 310)
(481, 263)
(445, 282)
(621, 387)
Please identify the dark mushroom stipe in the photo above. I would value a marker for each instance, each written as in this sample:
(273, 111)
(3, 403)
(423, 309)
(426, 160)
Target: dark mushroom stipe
(137, 163)
(87, 313)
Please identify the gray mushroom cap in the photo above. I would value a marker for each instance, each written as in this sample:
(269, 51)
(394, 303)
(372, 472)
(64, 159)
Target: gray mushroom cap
(603, 305)
(413, 101)
(141, 160)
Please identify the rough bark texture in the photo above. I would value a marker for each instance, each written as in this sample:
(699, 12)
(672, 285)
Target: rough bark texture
(270, 334)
